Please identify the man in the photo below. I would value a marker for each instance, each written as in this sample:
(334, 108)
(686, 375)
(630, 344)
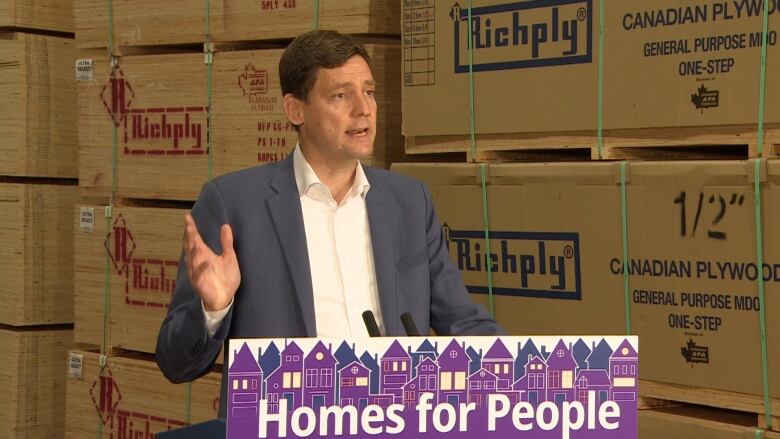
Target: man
(303, 247)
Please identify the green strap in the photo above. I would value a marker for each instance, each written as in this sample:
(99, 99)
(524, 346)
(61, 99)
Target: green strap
(108, 212)
(759, 230)
(209, 147)
(315, 19)
(761, 292)
(472, 121)
(600, 99)
(624, 221)
(485, 225)
(758, 433)
(762, 85)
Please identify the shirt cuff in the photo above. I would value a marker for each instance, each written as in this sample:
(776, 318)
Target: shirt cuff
(214, 318)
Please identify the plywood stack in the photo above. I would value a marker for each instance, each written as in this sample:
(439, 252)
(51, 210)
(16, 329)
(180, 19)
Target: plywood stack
(130, 398)
(691, 294)
(160, 104)
(648, 88)
(187, 21)
(137, 250)
(158, 118)
(48, 16)
(38, 186)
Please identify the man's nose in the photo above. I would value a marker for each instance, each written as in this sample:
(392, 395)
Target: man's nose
(362, 106)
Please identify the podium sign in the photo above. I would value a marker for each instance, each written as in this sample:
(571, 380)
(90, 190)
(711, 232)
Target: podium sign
(433, 387)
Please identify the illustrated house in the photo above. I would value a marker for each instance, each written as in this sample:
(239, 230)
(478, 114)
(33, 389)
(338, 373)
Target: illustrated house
(425, 380)
(245, 380)
(499, 361)
(561, 369)
(534, 382)
(425, 350)
(453, 370)
(596, 381)
(286, 381)
(395, 371)
(481, 384)
(624, 371)
(599, 356)
(354, 387)
(319, 372)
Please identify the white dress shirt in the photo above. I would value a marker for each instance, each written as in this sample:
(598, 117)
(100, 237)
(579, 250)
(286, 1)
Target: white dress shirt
(341, 259)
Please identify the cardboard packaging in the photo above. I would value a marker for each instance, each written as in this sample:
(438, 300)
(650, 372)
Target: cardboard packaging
(131, 398)
(33, 382)
(556, 251)
(160, 105)
(147, 22)
(670, 68)
(53, 15)
(36, 247)
(38, 87)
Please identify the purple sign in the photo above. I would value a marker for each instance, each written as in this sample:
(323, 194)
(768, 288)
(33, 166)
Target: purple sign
(436, 387)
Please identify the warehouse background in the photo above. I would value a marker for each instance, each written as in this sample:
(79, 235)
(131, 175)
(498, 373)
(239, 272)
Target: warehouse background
(616, 160)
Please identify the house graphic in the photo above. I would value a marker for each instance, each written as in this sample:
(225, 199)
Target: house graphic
(316, 378)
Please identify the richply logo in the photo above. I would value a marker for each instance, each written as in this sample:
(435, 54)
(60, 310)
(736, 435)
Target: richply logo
(124, 424)
(516, 35)
(149, 282)
(531, 264)
(174, 130)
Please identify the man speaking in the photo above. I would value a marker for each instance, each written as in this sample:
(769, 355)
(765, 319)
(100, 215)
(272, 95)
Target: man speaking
(303, 247)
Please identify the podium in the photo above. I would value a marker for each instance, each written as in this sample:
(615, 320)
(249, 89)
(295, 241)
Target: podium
(214, 429)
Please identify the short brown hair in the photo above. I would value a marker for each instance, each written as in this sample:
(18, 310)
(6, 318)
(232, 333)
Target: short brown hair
(312, 51)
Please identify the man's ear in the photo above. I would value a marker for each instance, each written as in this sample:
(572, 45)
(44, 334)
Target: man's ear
(293, 108)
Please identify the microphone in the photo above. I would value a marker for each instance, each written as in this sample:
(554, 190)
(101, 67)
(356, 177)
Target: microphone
(370, 322)
(409, 326)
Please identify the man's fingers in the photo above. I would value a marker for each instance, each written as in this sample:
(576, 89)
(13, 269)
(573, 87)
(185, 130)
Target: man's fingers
(226, 238)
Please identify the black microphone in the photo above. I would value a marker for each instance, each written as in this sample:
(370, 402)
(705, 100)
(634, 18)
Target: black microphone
(409, 326)
(370, 322)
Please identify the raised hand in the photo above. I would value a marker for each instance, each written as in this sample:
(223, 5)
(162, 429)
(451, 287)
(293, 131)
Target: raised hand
(214, 277)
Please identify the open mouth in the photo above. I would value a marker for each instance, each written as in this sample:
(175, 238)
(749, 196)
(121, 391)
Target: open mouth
(359, 132)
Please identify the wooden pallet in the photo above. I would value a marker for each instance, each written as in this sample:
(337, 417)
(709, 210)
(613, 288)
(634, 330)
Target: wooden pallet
(659, 394)
(684, 421)
(721, 142)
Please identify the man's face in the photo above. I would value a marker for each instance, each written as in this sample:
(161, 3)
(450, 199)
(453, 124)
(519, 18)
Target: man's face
(338, 121)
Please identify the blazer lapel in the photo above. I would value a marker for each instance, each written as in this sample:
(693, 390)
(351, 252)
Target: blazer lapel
(380, 217)
(285, 208)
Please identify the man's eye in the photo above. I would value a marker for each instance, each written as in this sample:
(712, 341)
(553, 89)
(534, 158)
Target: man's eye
(371, 92)
(340, 95)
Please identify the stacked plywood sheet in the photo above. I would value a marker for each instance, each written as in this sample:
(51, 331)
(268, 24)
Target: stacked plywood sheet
(36, 247)
(51, 15)
(36, 116)
(130, 398)
(147, 22)
(158, 108)
(32, 381)
(137, 251)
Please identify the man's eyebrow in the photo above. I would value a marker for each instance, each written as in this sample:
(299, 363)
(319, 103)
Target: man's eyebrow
(368, 82)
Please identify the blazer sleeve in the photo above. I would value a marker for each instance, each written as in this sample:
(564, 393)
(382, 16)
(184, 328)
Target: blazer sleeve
(184, 350)
(452, 311)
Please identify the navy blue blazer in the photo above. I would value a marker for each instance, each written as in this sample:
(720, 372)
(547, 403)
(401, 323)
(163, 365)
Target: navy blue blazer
(262, 205)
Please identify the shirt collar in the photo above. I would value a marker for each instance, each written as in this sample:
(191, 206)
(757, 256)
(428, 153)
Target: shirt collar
(306, 178)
